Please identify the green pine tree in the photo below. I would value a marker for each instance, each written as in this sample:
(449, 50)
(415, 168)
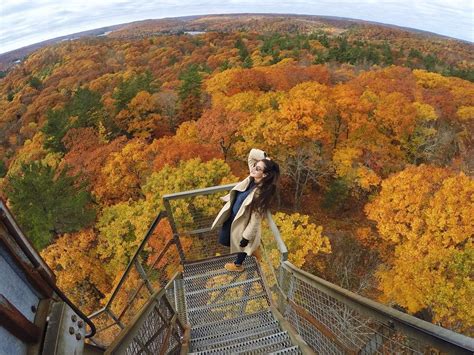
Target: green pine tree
(55, 129)
(191, 83)
(48, 203)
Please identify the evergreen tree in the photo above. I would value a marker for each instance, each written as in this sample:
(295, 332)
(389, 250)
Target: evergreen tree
(387, 54)
(191, 83)
(85, 105)
(128, 89)
(430, 62)
(3, 169)
(48, 203)
(189, 93)
(248, 63)
(85, 108)
(55, 129)
(35, 82)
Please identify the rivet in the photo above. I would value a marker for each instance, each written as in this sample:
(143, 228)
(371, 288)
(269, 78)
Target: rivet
(33, 309)
(71, 330)
(73, 317)
(78, 336)
(80, 323)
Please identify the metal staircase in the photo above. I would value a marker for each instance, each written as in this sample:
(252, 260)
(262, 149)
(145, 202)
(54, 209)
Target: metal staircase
(184, 301)
(229, 312)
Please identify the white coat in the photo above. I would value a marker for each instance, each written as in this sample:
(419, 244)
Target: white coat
(246, 224)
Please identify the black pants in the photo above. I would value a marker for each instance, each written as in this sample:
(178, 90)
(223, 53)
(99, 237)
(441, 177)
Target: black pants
(240, 258)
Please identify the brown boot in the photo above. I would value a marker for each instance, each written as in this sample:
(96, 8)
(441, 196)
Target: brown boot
(233, 267)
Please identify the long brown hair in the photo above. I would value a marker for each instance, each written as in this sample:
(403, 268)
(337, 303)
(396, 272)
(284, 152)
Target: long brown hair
(266, 188)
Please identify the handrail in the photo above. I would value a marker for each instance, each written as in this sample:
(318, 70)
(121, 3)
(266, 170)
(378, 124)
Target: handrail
(206, 191)
(277, 236)
(161, 214)
(197, 192)
(434, 331)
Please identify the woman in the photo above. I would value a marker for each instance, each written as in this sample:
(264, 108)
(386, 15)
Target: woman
(246, 204)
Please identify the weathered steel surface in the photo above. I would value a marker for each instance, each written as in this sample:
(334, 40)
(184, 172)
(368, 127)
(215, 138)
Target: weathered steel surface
(65, 332)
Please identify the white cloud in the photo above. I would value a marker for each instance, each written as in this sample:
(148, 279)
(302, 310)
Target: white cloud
(26, 22)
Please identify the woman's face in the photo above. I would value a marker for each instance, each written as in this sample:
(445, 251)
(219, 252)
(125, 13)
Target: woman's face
(257, 171)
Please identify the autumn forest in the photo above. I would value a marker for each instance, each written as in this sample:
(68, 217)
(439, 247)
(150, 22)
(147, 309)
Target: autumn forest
(373, 128)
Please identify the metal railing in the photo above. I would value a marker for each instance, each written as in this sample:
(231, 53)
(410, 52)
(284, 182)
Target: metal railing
(150, 269)
(155, 329)
(330, 319)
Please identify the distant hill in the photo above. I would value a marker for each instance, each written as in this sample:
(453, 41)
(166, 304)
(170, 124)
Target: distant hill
(10, 58)
(260, 23)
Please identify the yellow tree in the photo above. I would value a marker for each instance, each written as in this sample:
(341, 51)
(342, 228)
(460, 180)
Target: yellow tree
(80, 273)
(426, 217)
(303, 238)
(348, 164)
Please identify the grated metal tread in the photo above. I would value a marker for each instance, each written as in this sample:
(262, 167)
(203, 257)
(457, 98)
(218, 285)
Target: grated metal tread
(263, 345)
(237, 336)
(228, 325)
(235, 284)
(290, 351)
(214, 264)
(211, 306)
(226, 310)
(225, 295)
(219, 277)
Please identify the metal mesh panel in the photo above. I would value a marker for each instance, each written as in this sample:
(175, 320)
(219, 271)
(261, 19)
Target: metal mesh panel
(107, 329)
(154, 331)
(345, 326)
(192, 218)
(151, 269)
(327, 324)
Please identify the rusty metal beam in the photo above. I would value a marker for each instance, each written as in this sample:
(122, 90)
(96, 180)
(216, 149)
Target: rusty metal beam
(16, 323)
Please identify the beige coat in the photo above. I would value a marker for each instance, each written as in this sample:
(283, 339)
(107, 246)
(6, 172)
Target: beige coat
(246, 224)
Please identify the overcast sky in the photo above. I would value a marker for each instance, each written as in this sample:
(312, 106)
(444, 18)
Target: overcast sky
(24, 22)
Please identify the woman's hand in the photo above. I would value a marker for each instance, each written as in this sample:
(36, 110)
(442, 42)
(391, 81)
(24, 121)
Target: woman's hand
(244, 242)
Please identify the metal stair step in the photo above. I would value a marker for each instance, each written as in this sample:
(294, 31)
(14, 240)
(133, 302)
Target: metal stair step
(214, 264)
(288, 351)
(228, 325)
(262, 295)
(236, 336)
(224, 293)
(219, 279)
(228, 309)
(234, 284)
(206, 275)
(263, 345)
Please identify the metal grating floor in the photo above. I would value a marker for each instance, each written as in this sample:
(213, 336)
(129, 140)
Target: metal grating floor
(229, 311)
